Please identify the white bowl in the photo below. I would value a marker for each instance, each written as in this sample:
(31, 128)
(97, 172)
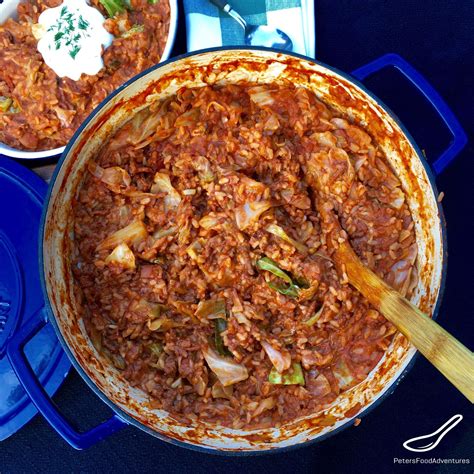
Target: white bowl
(8, 9)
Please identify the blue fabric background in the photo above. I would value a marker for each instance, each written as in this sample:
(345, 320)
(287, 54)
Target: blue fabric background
(436, 36)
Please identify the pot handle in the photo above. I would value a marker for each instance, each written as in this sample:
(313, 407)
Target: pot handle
(459, 139)
(41, 399)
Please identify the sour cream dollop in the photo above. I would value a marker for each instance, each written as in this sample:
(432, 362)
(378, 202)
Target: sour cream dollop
(71, 37)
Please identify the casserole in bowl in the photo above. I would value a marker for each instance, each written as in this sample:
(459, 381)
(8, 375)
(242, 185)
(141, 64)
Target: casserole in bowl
(40, 105)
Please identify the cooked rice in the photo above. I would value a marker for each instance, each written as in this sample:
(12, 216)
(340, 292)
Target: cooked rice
(236, 145)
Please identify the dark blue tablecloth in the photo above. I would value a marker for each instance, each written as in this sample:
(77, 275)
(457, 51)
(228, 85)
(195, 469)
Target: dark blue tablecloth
(437, 37)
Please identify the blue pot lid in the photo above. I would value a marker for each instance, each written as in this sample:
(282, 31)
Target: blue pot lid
(21, 200)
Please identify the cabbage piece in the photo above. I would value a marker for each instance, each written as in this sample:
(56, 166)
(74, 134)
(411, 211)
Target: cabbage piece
(314, 319)
(133, 31)
(343, 374)
(5, 104)
(177, 383)
(317, 384)
(122, 256)
(211, 309)
(96, 337)
(155, 324)
(305, 294)
(279, 232)
(195, 249)
(189, 117)
(250, 212)
(242, 319)
(183, 307)
(272, 123)
(252, 185)
(199, 385)
(145, 124)
(146, 127)
(114, 175)
(291, 289)
(219, 391)
(261, 95)
(203, 167)
(227, 371)
(65, 116)
(209, 221)
(117, 360)
(220, 325)
(281, 359)
(134, 193)
(156, 348)
(160, 233)
(162, 184)
(184, 229)
(134, 233)
(266, 404)
(157, 321)
(163, 324)
(270, 265)
(397, 198)
(292, 377)
(151, 310)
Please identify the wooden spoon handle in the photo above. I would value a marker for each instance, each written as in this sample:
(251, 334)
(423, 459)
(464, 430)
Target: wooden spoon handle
(445, 352)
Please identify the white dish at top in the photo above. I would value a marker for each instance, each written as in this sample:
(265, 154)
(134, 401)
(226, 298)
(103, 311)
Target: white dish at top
(8, 9)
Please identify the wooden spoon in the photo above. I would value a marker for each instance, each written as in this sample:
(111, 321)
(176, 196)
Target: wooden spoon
(332, 174)
(445, 352)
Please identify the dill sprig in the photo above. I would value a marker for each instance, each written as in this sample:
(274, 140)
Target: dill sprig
(69, 31)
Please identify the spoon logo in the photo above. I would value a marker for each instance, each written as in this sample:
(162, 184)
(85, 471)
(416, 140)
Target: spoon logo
(420, 444)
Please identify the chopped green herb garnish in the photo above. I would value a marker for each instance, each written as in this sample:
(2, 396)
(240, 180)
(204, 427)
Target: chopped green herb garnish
(74, 51)
(68, 31)
(82, 24)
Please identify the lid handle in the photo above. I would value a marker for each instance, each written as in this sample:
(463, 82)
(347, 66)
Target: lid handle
(42, 401)
(459, 139)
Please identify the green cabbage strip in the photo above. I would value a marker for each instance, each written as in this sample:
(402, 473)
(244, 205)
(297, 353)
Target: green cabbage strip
(294, 376)
(312, 321)
(211, 309)
(114, 7)
(220, 325)
(292, 289)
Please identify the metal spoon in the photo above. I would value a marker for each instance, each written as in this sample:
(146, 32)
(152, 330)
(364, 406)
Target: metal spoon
(255, 35)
